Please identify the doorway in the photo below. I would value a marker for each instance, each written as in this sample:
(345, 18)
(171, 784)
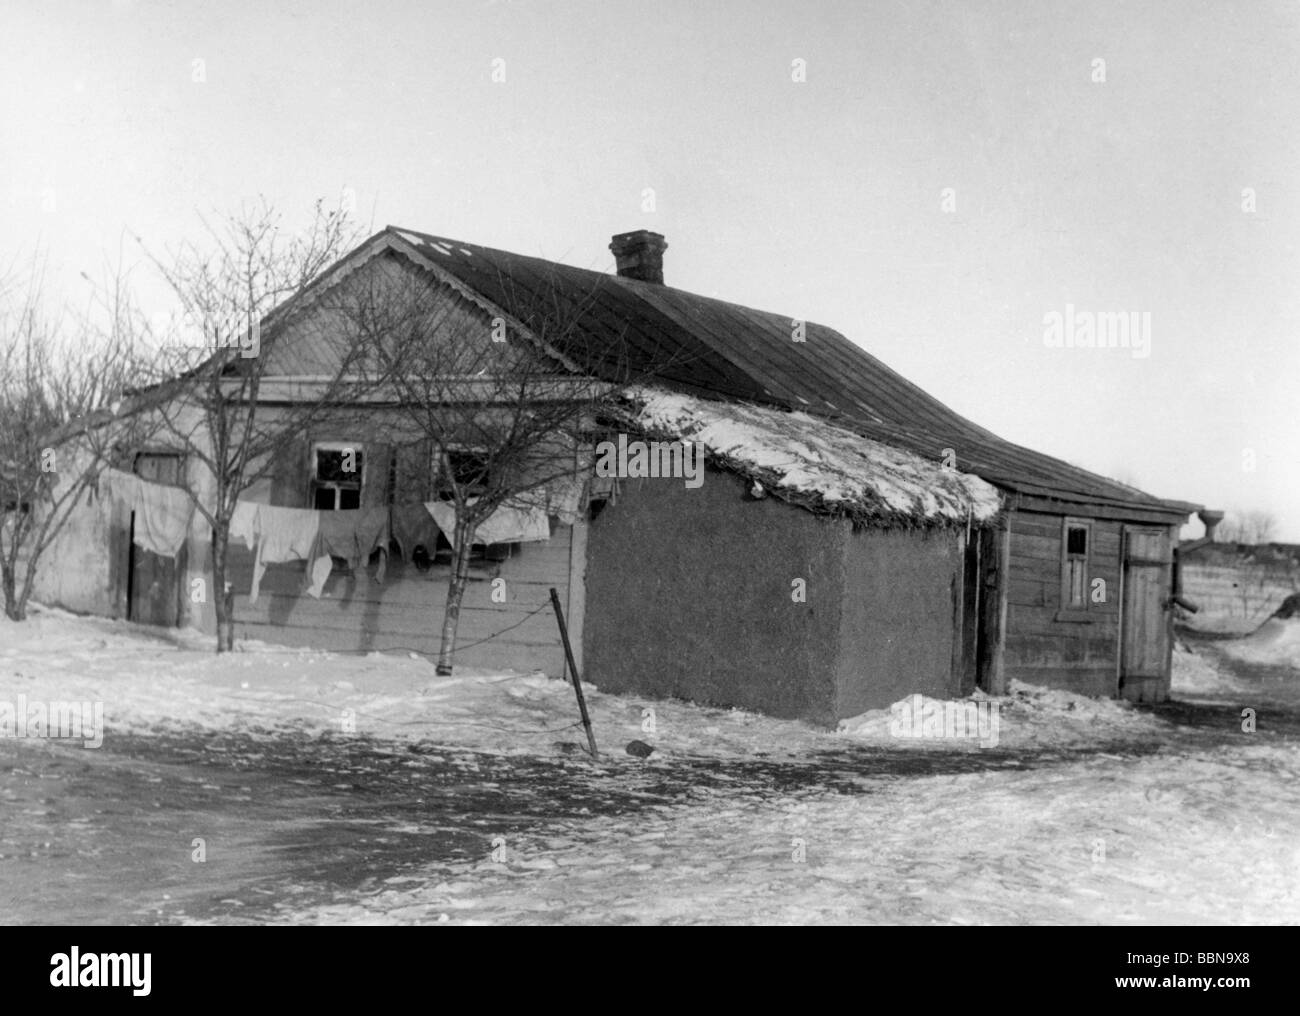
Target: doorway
(154, 582)
(1145, 620)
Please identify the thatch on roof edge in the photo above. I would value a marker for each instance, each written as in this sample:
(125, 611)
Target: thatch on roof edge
(819, 467)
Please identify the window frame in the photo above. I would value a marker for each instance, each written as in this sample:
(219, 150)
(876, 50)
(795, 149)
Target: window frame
(316, 484)
(440, 458)
(485, 559)
(1069, 609)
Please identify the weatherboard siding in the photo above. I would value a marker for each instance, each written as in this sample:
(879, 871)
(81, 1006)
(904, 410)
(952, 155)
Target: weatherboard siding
(1042, 646)
(405, 611)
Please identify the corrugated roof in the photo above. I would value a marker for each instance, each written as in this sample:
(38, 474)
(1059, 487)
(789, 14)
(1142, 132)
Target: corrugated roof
(711, 347)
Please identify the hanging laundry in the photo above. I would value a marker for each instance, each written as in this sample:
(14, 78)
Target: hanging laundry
(412, 527)
(505, 525)
(444, 514)
(604, 488)
(514, 525)
(566, 498)
(162, 513)
(353, 535)
(243, 523)
(162, 518)
(121, 488)
(283, 534)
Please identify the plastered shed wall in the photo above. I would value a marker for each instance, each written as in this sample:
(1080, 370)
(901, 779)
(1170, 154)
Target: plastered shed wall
(897, 625)
(688, 595)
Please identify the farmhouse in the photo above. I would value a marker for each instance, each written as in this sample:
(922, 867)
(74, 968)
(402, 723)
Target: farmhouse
(852, 541)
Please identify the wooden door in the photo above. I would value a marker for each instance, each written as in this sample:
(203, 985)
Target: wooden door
(966, 642)
(154, 595)
(994, 570)
(1145, 620)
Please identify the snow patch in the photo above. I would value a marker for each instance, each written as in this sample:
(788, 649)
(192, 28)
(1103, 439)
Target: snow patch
(795, 452)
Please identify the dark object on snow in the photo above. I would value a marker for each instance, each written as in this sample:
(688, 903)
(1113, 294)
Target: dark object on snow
(639, 749)
(1289, 609)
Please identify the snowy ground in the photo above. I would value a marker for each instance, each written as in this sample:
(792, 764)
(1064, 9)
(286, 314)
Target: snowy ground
(475, 802)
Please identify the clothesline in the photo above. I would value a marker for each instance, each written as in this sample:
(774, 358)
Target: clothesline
(275, 535)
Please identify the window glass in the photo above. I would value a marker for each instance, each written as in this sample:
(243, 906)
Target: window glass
(336, 483)
(1075, 566)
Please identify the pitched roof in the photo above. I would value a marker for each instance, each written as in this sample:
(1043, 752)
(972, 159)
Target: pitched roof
(714, 348)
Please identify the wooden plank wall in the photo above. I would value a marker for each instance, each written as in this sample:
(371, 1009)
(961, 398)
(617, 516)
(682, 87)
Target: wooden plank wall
(1041, 648)
(405, 612)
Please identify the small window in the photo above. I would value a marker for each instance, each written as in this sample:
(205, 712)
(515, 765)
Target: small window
(338, 473)
(465, 469)
(1074, 571)
(470, 471)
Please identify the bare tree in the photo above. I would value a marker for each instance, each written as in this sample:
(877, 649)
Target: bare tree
(504, 413)
(242, 292)
(61, 417)
(1252, 527)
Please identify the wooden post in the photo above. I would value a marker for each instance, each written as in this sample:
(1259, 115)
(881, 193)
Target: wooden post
(995, 567)
(577, 679)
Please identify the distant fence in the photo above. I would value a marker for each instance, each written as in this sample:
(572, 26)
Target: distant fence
(1238, 587)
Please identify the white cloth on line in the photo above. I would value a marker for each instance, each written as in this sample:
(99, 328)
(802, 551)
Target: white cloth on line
(566, 498)
(243, 523)
(353, 535)
(283, 534)
(505, 525)
(162, 513)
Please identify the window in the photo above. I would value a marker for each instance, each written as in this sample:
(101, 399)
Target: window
(1076, 544)
(337, 476)
(468, 469)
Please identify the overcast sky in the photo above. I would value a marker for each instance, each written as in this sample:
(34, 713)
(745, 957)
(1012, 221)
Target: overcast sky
(945, 177)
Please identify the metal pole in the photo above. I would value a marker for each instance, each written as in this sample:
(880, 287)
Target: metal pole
(573, 669)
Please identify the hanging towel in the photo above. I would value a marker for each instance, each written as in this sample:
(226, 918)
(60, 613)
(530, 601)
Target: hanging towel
(121, 487)
(412, 527)
(514, 525)
(505, 525)
(353, 535)
(444, 514)
(283, 534)
(162, 518)
(566, 498)
(605, 488)
(162, 513)
(243, 523)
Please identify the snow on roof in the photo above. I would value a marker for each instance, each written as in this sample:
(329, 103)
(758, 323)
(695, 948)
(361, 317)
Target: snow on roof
(816, 464)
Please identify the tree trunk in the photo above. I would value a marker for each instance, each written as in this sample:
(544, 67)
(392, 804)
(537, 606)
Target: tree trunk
(223, 596)
(14, 609)
(464, 533)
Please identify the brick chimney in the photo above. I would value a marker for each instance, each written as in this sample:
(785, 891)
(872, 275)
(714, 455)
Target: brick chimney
(640, 255)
